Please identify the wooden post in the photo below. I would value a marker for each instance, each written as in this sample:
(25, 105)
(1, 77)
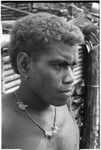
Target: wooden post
(91, 133)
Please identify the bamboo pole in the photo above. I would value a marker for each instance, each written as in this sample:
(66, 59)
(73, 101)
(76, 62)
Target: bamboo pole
(5, 39)
(11, 78)
(6, 60)
(8, 24)
(92, 101)
(7, 67)
(11, 89)
(17, 10)
(12, 84)
(8, 72)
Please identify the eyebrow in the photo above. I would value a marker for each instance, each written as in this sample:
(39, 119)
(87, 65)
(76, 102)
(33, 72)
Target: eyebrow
(63, 61)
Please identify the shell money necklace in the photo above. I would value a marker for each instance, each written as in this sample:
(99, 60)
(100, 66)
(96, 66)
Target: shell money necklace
(48, 134)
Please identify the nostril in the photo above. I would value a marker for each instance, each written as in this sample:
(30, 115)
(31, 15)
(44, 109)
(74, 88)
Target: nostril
(68, 80)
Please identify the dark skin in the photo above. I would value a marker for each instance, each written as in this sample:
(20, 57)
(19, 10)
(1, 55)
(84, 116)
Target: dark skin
(49, 83)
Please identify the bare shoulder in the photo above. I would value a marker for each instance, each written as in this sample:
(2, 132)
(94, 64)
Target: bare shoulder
(7, 98)
(7, 104)
(8, 111)
(9, 119)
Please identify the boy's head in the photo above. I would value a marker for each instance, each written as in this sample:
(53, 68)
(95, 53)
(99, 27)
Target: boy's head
(35, 33)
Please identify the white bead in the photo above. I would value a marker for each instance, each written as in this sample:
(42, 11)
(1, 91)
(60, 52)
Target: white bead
(21, 105)
(49, 134)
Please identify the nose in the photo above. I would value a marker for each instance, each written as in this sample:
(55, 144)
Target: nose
(68, 77)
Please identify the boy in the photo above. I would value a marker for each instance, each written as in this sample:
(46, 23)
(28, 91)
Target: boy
(43, 50)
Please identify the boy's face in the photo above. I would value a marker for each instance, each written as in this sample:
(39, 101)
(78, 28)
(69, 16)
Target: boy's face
(51, 78)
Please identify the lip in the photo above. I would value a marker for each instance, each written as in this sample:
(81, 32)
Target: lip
(66, 91)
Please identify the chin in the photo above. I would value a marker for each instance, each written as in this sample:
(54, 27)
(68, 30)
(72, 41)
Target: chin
(60, 103)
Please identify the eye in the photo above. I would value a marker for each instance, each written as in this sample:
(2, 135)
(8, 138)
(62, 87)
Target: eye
(60, 66)
(73, 66)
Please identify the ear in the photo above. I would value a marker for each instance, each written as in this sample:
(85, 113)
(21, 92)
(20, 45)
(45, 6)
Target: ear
(23, 63)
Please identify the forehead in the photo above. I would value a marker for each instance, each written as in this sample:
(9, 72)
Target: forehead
(60, 52)
(63, 51)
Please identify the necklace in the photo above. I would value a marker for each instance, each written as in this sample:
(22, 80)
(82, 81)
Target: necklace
(48, 134)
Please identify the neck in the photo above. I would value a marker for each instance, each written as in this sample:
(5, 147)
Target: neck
(28, 97)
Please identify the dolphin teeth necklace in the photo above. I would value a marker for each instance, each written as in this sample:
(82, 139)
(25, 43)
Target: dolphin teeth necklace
(48, 134)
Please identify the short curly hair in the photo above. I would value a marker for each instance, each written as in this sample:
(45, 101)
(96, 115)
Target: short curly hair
(34, 33)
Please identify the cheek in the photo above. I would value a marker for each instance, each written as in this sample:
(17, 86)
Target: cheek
(53, 78)
(45, 79)
(50, 80)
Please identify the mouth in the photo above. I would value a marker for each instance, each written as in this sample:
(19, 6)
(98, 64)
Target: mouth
(67, 92)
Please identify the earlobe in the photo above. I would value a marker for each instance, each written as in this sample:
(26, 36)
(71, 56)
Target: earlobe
(23, 63)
